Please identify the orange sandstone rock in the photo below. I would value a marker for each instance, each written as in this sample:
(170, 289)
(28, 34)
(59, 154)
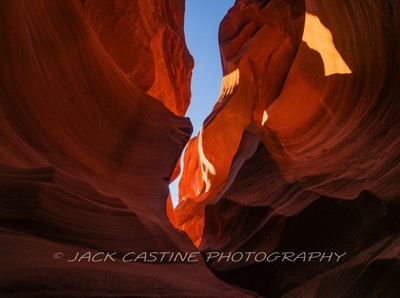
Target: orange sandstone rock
(301, 151)
(146, 40)
(90, 133)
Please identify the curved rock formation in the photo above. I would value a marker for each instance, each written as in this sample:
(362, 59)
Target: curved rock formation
(301, 151)
(90, 132)
(146, 40)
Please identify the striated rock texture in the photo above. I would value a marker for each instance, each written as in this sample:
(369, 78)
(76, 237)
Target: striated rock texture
(146, 40)
(301, 151)
(90, 132)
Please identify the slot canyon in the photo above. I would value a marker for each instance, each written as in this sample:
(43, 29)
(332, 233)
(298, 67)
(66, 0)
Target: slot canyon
(300, 154)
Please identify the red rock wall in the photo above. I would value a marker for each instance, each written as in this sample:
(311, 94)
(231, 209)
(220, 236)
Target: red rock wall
(301, 151)
(146, 40)
(90, 132)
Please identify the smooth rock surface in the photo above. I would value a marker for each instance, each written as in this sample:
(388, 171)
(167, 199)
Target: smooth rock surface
(301, 151)
(91, 129)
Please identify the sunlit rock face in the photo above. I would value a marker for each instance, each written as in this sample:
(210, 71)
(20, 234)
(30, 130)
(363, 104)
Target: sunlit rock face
(146, 40)
(90, 133)
(301, 151)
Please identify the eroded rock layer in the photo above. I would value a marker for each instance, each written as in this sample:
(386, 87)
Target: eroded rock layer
(301, 151)
(90, 133)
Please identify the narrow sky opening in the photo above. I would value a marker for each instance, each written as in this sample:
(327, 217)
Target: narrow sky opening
(202, 19)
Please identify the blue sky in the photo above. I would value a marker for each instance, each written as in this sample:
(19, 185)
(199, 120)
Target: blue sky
(202, 19)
